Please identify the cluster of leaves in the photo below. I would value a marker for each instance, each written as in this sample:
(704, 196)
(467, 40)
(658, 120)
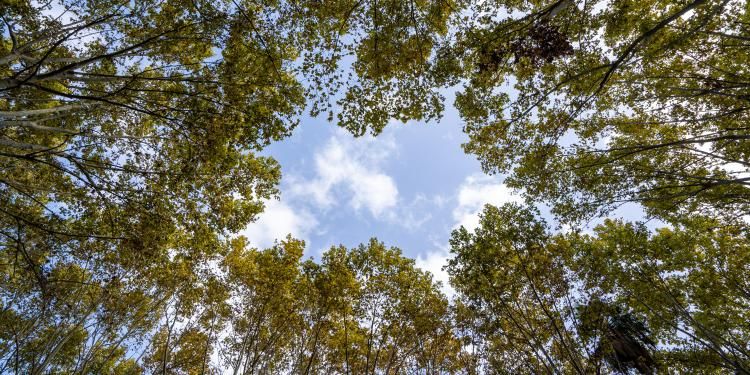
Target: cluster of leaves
(362, 310)
(129, 133)
(646, 104)
(618, 300)
(543, 44)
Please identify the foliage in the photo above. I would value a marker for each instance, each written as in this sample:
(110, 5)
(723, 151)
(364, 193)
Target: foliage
(129, 134)
(362, 310)
(620, 299)
(590, 104)
(130, 140)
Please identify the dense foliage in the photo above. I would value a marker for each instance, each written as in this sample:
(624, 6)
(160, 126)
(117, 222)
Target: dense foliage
(613, 102)
(130, 134)
(620, 298)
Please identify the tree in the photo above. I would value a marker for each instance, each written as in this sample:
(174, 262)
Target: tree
(620, 299)
(689, 282)
(401, 320)
(128, 141)
(125, 149)
(589, 105)
(363, 310)
(514, 294)
(267, 313)
(378, 60)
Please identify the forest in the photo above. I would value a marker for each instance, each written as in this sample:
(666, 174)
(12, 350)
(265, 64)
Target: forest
(132, 138)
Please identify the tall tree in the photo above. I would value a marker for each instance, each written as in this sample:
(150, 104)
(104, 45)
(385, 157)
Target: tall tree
(128, 140)
(617, 300)
(689, 282)
(401, 320)
(512, 296)
(590, 104)
(267, 312)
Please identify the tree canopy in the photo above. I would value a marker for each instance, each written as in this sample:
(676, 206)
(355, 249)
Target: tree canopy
(618, 299)
(131, 139)
(612, 102)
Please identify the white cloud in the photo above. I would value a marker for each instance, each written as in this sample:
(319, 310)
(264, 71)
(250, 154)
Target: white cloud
(276, 222)
(414, 215)
(433, 262)
(476, 191)
(353, 167)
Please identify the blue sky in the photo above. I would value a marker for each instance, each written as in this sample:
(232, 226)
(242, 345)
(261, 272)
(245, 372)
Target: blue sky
(409, 187)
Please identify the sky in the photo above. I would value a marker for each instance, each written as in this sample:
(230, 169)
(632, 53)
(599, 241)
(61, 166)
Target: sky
(408, 187)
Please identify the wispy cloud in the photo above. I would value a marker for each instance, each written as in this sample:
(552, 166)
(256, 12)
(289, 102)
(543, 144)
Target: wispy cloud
(414, 214)
(350, 170)
(476, 191)
(434, 261)
(277, 221)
